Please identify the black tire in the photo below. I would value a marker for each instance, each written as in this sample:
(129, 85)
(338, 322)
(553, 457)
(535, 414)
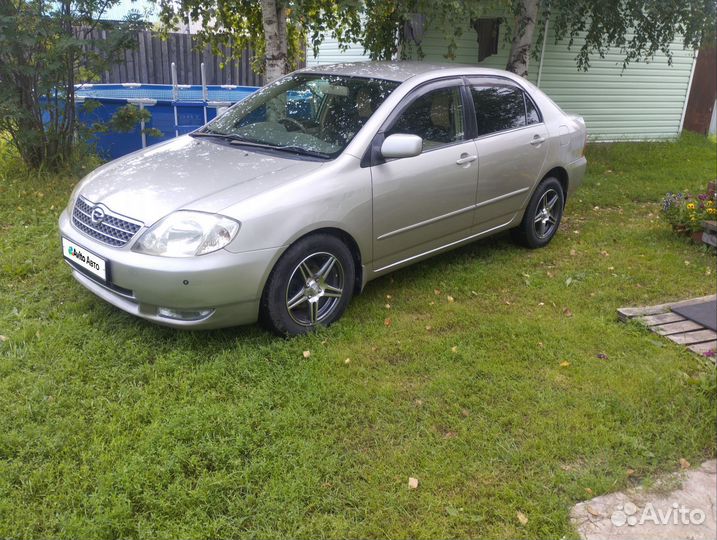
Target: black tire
(296, 280)
(542, 216)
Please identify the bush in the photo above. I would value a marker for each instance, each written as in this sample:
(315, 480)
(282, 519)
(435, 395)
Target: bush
(44, 47)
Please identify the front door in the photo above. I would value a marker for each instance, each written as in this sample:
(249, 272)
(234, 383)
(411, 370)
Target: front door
(427, 201)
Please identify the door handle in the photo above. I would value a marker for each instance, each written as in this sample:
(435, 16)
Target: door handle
(537, 139)
(465, 158)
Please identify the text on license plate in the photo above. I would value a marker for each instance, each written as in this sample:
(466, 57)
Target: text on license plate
(84, 259)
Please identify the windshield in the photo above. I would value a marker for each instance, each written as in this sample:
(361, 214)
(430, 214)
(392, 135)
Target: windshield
(304, 113)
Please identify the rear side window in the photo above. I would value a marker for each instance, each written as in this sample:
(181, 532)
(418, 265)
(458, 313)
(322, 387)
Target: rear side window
(531, 111)
(501, 107)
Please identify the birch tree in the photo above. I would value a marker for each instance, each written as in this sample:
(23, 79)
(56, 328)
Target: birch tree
(279, 30)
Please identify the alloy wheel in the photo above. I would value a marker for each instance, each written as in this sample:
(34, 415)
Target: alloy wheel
(547, 214)
(315, 289)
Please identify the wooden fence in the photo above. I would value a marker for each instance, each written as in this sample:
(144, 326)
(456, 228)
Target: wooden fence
(150, 61)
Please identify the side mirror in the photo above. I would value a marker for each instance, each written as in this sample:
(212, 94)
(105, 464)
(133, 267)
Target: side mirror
(401, 145)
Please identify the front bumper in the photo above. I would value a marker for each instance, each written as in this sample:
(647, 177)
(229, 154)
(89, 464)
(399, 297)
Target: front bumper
(228, 284)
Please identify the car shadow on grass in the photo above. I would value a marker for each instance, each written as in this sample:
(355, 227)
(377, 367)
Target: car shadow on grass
(111, 320)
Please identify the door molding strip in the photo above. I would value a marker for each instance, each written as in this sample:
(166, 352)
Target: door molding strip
(502, 197)
(434, 250)
(427, 222)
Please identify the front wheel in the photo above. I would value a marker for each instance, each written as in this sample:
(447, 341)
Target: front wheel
(310, 286)
(542, 216)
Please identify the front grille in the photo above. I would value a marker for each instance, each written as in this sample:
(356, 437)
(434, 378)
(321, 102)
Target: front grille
(112, 230)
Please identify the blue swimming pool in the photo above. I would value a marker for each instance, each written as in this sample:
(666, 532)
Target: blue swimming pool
(175, 109)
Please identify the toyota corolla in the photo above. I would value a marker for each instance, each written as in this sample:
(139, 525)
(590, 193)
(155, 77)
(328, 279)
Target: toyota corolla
(284, 207)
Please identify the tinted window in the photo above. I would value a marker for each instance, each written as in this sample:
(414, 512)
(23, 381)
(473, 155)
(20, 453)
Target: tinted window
(436, 117)
(531, 111)
(498, 108)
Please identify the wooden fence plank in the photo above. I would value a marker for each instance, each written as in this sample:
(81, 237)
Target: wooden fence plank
(196, 64)
(131, 75)
(166, 63)
(150, 61)
(149, 58)
(141, 55)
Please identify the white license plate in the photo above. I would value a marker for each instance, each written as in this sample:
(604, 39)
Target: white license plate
(84, 259)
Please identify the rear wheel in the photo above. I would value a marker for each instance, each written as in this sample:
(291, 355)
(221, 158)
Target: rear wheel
(542, 216)
(310, 286)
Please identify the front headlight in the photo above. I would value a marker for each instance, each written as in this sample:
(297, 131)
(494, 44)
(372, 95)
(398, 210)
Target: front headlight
(73, 196)
(185, 233)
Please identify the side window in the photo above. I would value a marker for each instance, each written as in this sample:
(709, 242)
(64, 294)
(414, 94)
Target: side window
(498, 108)
(531, 111)
(436, 117)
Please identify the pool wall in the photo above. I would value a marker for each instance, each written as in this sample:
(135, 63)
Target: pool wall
(175, 110)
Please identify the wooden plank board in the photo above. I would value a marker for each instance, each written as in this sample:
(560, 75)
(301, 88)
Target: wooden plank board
(171, 57)
(676, 328)
(662, 318)
(709, 238)
(182, 69)
(702, 348)
(157, 61)
(166, 63)
(129, 61)
(631, 312)
(688, 338)
(142, 60)
(149, 59)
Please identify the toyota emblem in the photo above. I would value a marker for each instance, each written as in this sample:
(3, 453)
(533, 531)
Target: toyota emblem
(97, 215)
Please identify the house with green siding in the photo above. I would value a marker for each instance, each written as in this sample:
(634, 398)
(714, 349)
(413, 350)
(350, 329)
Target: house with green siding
(645, 101)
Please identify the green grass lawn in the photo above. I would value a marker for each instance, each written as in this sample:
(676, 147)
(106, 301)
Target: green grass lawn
(113, 427)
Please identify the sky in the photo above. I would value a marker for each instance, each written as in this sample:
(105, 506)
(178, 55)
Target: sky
(119, 10)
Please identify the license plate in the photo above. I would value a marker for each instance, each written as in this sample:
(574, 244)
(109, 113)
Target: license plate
(84, 259)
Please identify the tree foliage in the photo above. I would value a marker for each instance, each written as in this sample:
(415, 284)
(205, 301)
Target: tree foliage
(241, 23)
(637, 28)
(44, 45)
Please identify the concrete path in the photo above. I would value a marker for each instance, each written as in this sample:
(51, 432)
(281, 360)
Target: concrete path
(687, 512)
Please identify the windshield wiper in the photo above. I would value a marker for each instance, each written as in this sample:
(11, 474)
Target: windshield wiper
(232, 138)
(303, 151)
(241, 141)
(215, 134)
(292, 149)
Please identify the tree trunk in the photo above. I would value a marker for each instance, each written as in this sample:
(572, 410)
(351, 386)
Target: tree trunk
(275, 39)
(522, 37)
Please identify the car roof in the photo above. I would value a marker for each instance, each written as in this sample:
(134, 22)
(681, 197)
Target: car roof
(399, 71)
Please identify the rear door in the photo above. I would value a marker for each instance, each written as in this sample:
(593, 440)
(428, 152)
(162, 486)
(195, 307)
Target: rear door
(426, 201)
(512, 143)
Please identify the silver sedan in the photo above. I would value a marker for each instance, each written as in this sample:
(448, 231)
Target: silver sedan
(284, 207)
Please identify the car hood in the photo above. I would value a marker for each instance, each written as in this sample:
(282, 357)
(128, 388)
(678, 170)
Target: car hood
(187, 173)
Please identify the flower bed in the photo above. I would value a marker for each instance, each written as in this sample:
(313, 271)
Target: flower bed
(687, 212)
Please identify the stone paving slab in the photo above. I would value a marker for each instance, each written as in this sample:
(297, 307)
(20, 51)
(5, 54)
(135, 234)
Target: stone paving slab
(688, 512)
